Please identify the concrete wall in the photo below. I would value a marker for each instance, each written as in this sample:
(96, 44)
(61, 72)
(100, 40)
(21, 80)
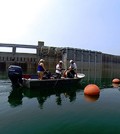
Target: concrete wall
(95, 65)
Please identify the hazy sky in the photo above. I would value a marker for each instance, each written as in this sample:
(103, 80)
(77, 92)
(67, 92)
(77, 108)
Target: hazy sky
(84, 24)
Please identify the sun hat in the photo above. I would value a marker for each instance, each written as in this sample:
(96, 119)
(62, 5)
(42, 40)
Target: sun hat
(60, 61)
(41, 60)
(71, 61)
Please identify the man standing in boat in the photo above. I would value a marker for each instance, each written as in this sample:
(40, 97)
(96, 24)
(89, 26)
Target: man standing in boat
(41, 69)
(59, 69)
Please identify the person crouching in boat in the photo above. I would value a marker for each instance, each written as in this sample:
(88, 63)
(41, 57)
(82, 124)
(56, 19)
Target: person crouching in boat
(72, 70)
(41, 69)
(59, 69)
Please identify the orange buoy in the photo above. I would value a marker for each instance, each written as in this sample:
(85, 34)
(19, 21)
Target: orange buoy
(116, 80)
(91, 89)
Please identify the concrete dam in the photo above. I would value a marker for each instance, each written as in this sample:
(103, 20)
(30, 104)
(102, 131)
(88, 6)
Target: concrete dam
(95, 65)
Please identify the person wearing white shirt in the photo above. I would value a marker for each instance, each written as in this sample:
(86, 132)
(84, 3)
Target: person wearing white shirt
(72, 69)
(59, 69)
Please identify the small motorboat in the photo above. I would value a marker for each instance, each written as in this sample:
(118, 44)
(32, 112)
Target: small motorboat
(35, 83)
(31, 81)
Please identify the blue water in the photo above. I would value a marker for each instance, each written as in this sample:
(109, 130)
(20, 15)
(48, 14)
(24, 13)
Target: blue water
(23, 111)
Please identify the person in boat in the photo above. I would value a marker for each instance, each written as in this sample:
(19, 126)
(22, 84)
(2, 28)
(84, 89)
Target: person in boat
(72, 70)
(41, 69)
(59, 69)
(47, 74)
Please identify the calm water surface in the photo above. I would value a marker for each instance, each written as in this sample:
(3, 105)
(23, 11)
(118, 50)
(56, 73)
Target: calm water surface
(23, 111)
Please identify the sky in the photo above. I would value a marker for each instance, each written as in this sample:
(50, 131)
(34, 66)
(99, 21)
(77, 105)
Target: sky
(85, 24)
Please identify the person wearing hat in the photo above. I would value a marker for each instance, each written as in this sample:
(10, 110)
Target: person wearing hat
(40, 69)
(59, 69)
(72, 69)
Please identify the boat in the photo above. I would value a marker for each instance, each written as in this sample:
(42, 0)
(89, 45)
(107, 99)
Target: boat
(33, 83)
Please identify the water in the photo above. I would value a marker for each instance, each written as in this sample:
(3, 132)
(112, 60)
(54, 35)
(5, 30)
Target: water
(23, 111)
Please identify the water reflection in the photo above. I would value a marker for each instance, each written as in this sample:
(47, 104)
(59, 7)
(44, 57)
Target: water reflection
(15, 97)
(91, 98)
(71, 95)
(41, 100)
(58, 99)
(43, 95)
(115, 85)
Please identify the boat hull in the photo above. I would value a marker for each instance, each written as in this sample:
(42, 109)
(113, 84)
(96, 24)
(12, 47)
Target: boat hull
(51, 83)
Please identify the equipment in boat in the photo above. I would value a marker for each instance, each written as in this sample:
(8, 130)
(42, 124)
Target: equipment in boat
(15, 75)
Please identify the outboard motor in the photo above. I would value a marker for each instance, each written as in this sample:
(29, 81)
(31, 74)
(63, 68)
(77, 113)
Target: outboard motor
(15, 75)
